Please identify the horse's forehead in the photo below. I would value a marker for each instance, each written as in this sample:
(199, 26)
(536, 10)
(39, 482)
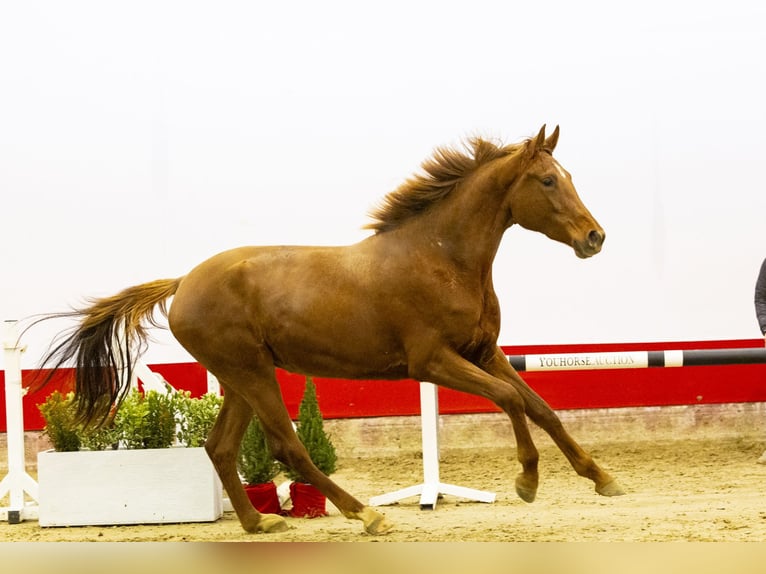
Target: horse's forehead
(548, 162)
(558, 167)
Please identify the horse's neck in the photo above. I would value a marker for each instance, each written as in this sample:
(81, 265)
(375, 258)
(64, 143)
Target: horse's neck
(465, 228)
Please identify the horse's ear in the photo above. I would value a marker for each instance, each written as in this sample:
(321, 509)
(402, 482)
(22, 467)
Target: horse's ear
(540, 139)
(537, 143)
(552, 140)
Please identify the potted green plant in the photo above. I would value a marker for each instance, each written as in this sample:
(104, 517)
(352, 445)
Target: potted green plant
(146, 420)
(196, 417)
(150, 478)
(258, 468)
(61, 428)
(306, 498)
(66, 434)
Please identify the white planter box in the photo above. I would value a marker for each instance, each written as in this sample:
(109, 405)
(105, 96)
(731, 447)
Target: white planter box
(147, 486)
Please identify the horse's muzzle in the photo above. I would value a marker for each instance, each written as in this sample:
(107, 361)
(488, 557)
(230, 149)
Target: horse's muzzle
(591, 245)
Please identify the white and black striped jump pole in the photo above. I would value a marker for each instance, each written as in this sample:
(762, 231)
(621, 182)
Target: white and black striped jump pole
(636, 359)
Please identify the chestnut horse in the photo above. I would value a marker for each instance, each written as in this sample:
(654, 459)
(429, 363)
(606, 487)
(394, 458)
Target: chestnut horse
(413, 300)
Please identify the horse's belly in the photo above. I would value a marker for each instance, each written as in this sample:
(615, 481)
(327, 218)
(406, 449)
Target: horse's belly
(338, 359)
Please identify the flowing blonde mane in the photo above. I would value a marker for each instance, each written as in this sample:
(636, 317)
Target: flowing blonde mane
(441, 173)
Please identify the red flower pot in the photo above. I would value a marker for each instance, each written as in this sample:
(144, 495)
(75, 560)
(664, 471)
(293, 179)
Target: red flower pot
(308, 502)
(264, 497)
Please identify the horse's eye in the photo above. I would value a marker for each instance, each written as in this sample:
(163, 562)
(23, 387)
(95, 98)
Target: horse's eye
(548, 181)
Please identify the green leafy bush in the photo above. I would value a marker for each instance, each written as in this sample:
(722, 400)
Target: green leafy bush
(196, 417)
(60, 426)
(106, 437)
(144, 420)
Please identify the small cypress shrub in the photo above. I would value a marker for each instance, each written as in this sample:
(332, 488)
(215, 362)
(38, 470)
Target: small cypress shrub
(310, 430)
(255, 463)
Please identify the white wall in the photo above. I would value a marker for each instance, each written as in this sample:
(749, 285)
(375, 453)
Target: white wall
(138, 138)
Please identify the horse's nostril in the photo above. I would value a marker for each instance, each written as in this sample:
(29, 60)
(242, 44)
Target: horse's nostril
(595, 238)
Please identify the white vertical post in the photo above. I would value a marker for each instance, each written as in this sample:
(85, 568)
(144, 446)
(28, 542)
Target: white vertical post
(213, 386)
(429, 431)
(17, 481)
(432, 486)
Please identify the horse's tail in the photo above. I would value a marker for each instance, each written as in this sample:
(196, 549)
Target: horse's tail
(105, 345)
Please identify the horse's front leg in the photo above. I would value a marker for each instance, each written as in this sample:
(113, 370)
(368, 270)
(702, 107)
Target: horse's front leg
(448, 369)
(543, 416)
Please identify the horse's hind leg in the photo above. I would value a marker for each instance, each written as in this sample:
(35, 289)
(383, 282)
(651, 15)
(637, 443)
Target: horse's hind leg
(265, 398)
(543, 416)
(222, 446)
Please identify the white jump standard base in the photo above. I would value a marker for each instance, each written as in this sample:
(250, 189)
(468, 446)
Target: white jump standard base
(431, 487)
(17, 483)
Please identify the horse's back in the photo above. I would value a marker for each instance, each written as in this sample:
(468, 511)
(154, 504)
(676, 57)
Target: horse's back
(310, 307)
(234, 280)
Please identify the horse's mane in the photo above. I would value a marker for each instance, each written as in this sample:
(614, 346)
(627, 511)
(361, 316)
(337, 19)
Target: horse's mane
(441, 173)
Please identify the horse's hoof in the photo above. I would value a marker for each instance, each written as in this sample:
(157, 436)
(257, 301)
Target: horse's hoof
(526, 488)
(610, 489)
(272, 523)
(375, 523)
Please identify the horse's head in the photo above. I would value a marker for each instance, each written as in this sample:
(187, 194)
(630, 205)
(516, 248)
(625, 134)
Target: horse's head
(542, 198)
